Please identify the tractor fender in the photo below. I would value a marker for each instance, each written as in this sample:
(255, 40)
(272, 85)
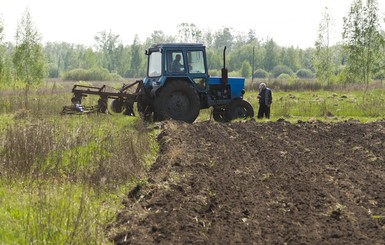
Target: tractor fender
(155, 89)
(162, 82)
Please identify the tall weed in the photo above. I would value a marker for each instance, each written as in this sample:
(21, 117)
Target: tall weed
(69, 174)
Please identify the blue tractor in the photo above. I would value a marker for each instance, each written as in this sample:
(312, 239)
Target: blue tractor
(177, 86)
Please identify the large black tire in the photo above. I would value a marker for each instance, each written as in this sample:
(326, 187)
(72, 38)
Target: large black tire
(239, 109)
(177, 100)
(219, 114)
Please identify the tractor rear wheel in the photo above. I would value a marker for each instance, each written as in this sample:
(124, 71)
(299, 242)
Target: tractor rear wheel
(239, 109)
(177, 100)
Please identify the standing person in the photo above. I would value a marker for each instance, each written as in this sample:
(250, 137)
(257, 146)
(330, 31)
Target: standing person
(265, 97)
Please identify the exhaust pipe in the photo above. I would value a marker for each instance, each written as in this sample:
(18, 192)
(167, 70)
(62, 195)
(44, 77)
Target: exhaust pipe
(224, 70)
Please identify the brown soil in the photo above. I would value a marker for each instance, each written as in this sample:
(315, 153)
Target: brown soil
(261, 183)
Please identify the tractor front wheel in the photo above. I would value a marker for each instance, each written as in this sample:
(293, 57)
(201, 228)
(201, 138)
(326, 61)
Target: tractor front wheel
(219, 114)
(177, 100)
(239, 109)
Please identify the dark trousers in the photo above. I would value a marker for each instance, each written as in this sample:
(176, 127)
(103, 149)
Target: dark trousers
(264, 110)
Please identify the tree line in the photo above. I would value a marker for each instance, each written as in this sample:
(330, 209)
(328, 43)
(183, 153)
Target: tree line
(358, 59)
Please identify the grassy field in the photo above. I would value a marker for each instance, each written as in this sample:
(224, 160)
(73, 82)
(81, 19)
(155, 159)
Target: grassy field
(63, 178)
(325, 105)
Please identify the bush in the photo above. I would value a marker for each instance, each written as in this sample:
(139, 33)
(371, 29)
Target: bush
(260, 73)
(246, 69)
(380, 75)
(279, 69)
(53, 71)
(305, 73)
(284, 76)
(94, 74)
(235, 73)
(77, 74)
(214, 73)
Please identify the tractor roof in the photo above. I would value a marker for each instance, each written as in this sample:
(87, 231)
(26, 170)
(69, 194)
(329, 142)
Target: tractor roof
(177, 45)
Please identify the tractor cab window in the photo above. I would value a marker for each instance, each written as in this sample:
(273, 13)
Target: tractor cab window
(175, 61)
(155, 64)
(196, 62)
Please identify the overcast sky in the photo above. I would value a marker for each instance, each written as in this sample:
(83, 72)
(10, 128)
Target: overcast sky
(289, 23)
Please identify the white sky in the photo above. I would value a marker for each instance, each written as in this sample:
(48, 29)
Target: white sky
(288, 22)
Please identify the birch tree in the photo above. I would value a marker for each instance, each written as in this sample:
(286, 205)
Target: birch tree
(363, 41)
(28, 58)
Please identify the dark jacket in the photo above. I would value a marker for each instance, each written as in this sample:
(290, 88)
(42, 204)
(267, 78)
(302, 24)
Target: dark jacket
(176, 66)
(265, 96)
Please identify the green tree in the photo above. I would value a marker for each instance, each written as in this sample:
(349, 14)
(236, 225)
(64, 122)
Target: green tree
(306, 58)
(290, 58)
(28, 58)
(214, 59)
(246, 69)
(158, 36)
(67, 56)
(109, 45)
(1, 30)
(88, 59)
(62, 57)
(189, 33)
(362, 40)
(208, 38)
(137, 68)
(252, 36)
(323, 54)
(2, 53)
(224, 38)
(271, 55)
(246, 52)
(53, 60)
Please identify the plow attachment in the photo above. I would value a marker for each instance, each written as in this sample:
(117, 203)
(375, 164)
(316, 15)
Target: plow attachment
(116, 101)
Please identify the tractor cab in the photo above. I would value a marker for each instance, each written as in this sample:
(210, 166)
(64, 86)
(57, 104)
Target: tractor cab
(177, 61)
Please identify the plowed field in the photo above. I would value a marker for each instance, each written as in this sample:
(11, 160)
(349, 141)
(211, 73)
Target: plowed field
(261, 183)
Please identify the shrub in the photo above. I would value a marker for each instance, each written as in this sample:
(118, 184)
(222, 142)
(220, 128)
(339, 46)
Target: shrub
(279, 69)
(305, 73)
(260, 73)
(246, 69)
(235, 73)
(214, 73)
(53, 71)
(77, 74)
(284, 76)
(94, 74)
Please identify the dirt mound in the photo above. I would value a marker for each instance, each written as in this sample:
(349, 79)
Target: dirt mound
(261, 183)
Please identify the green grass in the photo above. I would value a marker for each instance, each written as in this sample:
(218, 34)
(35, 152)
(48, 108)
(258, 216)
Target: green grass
(63, 178)
(54, 213)
(325, 105)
